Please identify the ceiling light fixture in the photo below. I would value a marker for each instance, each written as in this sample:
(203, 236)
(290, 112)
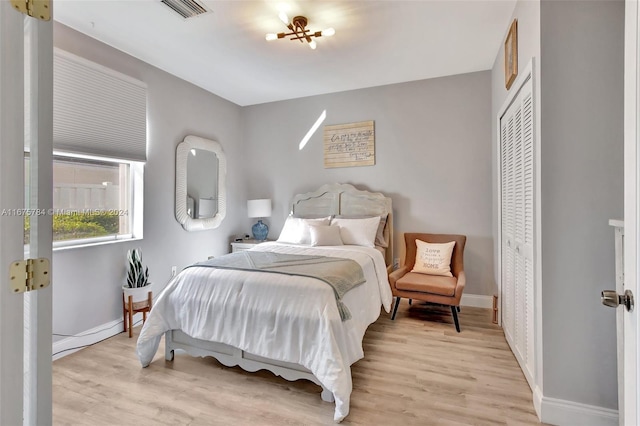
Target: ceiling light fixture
(299, 31)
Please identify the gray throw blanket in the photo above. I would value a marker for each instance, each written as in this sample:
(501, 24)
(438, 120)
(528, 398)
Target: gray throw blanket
(341, 274)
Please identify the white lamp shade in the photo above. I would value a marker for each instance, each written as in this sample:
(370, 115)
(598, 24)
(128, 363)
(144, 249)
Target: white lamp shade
(259, 208)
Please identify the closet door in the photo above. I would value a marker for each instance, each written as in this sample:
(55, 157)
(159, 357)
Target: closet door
(508, 213)
(517, 207)
(525, 247)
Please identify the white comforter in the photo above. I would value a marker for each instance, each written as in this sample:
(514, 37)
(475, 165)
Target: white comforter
(286, 318)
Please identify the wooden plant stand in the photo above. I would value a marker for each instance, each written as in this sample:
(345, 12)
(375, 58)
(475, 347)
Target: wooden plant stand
(129, 307)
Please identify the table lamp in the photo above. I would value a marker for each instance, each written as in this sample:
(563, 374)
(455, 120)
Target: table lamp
(259, 208)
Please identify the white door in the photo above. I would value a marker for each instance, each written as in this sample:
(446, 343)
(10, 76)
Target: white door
(517, 220)
(629, 411)
(25, 320)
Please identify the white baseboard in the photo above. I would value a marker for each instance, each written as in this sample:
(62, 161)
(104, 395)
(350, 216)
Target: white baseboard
(69, 345)
(476, 301)
(568, 413)
(537, 401)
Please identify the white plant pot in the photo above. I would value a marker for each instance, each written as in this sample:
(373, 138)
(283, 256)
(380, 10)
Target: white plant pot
(140, 294)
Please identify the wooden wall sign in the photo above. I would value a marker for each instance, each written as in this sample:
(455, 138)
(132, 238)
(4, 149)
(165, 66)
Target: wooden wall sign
(349, 145)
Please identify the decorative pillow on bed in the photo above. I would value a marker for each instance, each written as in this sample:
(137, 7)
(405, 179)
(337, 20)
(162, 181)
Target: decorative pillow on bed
(296, 230)
(325, 235)
(380, 239)
(433, 258)
(359, 232)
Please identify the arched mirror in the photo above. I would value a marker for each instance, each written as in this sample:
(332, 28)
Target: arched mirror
(201, 169)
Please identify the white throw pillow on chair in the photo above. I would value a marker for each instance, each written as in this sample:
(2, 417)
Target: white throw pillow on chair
(433, 258)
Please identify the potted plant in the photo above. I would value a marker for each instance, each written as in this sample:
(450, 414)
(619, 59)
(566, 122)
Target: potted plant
(137, 284)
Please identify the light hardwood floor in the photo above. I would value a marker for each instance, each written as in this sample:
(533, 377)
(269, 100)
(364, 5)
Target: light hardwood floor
(417, 371)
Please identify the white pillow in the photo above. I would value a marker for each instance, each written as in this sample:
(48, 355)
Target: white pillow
(380, 239)
(433, 258)
(325, 235)
(359, 232)
(296, 229)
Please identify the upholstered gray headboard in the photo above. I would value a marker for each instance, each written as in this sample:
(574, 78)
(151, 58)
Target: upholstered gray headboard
(345, 199)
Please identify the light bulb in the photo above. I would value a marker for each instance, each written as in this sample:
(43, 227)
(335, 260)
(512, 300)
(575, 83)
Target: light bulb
(312, 44)
(328, 32)
(283, 17)
(270, 37)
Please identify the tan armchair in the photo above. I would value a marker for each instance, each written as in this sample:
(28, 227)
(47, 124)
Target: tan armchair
(430, 288)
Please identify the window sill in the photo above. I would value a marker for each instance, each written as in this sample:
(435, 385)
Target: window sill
(94, 244)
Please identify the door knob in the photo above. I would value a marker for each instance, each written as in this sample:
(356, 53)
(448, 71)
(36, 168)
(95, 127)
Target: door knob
(612, 299)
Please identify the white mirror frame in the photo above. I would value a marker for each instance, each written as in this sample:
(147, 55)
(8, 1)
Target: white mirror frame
(182, 153)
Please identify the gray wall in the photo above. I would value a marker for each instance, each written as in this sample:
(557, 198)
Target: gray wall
(578, 50)
(528, 15)
(433, 157)
(87, 281)
(582, 188)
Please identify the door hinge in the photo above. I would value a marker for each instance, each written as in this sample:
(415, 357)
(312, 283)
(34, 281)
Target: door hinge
(29, 274)
(39, 9)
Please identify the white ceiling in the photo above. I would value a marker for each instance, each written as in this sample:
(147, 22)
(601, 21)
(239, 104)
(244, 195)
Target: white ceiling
(225, 52)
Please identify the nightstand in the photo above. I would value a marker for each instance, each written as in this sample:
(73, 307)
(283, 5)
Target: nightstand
(237, 246)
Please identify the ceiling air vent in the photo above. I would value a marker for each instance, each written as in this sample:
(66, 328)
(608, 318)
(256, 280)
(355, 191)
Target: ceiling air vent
(185, 8)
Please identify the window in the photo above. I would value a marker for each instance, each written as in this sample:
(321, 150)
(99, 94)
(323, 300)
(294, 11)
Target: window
(93, 200)
(99, 143)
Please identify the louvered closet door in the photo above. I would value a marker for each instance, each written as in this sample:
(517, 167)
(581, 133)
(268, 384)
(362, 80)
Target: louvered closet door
(517, 207)
(508, 213)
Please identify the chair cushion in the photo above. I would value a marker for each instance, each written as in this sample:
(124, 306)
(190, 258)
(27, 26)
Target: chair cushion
(434, 284)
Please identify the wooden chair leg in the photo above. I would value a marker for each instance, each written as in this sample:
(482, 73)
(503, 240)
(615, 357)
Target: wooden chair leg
(395, 309)
(454, 312)
(130, 316)
(149, 303)
(124, 314)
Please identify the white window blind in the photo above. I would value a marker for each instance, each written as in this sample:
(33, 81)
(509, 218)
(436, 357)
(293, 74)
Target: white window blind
(97, 111)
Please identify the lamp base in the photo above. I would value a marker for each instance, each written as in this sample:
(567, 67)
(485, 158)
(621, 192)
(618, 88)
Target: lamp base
(260, 231)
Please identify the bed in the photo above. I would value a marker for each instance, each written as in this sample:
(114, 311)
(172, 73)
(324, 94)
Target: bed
(287, 324)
